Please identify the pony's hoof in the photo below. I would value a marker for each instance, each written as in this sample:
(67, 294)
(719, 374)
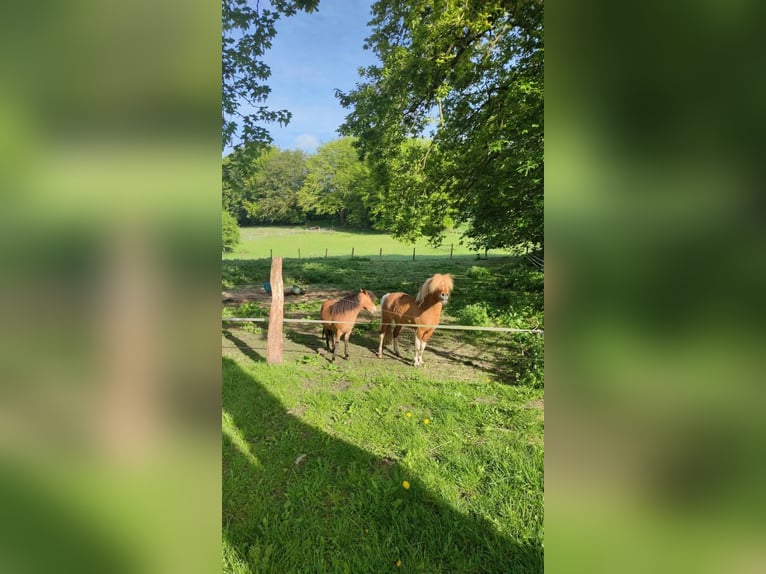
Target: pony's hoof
(379, 355)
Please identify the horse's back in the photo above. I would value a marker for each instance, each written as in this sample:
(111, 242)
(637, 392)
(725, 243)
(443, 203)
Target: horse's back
(325, 312)
(402, 306)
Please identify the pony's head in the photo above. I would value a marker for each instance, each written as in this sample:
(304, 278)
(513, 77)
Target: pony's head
(367, 299)
(440, 285)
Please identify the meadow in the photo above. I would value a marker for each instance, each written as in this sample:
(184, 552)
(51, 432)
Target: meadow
(258, 242)
(372, 465)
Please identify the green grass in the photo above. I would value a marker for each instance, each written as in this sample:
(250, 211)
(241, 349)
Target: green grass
(258, 242)
(315, 452)
(314, 461)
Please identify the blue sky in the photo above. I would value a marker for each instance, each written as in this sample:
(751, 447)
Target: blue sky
(311, 56)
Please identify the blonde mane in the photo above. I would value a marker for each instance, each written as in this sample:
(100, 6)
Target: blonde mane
(433, 284)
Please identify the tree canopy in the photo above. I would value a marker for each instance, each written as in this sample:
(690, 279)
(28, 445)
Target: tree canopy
(247, 34)
(338, 184)
(468, 77)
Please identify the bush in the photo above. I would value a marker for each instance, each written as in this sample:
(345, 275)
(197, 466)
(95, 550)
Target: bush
(229, 231)
(476, 272)
(474, 314)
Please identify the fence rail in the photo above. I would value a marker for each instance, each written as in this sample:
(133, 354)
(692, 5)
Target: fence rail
(440, 326)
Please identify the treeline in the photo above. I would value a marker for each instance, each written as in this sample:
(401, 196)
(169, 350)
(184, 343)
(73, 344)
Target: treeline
(292, 187)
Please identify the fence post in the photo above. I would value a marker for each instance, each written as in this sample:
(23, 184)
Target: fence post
(381, 252)
(271, 254)
(451, 247)
(274, 337)
(299, 253)
(352, 253)
(413, 254)
(325, 252)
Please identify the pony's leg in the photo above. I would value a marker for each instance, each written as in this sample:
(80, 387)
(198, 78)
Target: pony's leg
(335, 339)
(418, 344)
(345, 342)
(380, 345)
(397, 330)
(424, 336)
(386, 322)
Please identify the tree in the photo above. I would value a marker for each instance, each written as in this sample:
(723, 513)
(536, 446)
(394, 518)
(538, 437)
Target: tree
(338, 184)
(468, 76)
(247, 34)
(270, 194)
(229, 231)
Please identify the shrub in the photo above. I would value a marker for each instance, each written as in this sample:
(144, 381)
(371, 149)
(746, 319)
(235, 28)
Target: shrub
(476, 272)
(229, 231)
(474, 314)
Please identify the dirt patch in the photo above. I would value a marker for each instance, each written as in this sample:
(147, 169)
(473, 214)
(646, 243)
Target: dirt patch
(341, 386)
(309, 384)
(297, 410)
(249, 294)
(535, 404)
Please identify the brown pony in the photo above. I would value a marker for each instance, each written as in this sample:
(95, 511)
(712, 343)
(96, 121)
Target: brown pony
(346, 310)
(401, 309)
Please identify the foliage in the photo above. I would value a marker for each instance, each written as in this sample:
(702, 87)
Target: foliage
(469, 75)
(247, 34)
(474, 314)
(229, 231)
(270, 194)
(338, 184)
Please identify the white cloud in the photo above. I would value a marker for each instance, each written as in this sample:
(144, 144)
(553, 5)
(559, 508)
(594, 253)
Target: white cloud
(306, 142)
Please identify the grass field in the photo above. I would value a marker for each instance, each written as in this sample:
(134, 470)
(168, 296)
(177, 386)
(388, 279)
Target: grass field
(257, 242)
(372, 465)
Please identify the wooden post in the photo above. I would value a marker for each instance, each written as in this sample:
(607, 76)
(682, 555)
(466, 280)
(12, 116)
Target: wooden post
(274, 338)
(413, 254)
(299, 253)
(485, 252)
(325, 252)
(271, 254)
(381, 252)
(352, 253)
(451, 247)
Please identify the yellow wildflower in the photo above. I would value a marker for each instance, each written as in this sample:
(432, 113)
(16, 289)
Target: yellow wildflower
(406, 485)
(398, 563)
(409, 414)
(426, 421)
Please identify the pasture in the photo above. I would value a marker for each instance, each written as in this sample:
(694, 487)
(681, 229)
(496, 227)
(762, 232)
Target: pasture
(256, 242)
(373, 465)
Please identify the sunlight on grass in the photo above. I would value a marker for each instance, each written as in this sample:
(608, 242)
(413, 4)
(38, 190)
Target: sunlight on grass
(294, 242)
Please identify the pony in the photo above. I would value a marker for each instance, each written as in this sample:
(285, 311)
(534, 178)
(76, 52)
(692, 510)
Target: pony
(346, 310)
(400, 309)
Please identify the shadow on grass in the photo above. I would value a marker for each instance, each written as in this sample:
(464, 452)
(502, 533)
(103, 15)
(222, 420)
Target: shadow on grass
(243, 346)
(296, 499)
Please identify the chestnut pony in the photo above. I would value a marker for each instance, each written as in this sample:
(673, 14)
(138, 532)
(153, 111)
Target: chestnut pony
(401, 309)
(346, 310)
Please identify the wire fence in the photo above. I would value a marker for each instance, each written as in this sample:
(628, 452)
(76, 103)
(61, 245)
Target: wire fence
(439, 326)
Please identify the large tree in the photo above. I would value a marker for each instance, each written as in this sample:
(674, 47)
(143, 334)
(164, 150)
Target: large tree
(270, 193)
(338, 184)
(468, 75)
(248, 29)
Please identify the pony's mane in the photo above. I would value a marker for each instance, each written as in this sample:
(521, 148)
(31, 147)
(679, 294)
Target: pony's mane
(349, 302)
(433, 284)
